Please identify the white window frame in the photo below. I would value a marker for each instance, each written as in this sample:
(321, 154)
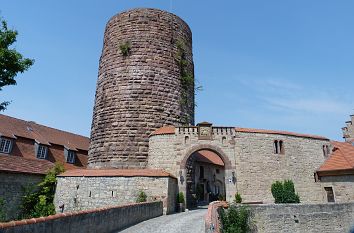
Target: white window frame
(42, 151)
(71, 157)
(5, 145)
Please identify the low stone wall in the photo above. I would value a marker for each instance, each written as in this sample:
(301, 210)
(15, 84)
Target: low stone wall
(300, 218)
(212, 221)
(314, 218)
(84, 193)
(98, 220)
(11, 190)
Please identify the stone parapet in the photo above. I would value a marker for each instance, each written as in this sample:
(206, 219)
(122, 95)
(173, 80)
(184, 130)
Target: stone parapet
(101, 220)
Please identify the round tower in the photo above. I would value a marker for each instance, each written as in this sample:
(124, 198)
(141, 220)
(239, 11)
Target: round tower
(145, 81)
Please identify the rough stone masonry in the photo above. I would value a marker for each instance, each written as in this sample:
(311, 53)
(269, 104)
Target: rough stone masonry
(139, 89)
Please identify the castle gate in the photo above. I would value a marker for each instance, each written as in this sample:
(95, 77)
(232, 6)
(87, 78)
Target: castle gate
(205, 178)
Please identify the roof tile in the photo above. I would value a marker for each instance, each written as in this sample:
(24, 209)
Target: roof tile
(10, 127)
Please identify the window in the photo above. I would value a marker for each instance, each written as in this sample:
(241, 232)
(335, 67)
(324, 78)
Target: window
(223, 140)
(278, 147)
(330, 194)
(276, 151)
(42, 151)
(71, 156)
(5, 145)
(186, 140)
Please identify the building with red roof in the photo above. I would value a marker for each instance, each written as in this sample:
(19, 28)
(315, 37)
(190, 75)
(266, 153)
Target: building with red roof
(28, 151)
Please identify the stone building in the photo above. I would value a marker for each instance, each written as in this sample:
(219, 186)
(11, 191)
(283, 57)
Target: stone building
(143, 135)
(27, 151)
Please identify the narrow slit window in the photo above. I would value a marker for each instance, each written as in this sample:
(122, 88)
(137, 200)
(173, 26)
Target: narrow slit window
(330, 194)
(276, 147)
(281, 147)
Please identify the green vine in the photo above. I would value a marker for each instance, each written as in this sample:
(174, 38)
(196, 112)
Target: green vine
(187, 79)
(125, 48)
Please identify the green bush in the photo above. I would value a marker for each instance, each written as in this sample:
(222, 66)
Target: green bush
(284, 192)
(125, 48)
(2, 210)
(37, 201)
(142, 197)
(180, 197)
(235, 220)
(238, 198)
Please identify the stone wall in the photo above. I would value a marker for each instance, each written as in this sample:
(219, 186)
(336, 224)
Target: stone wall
(102, 220)
(83, 193)
(170, 152)
(250, 156)
(139, 92)
(343, 187)
(320, 218)
(257, 166)
(11, 190)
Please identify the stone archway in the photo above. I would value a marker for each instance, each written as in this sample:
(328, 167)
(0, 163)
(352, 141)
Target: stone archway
(204, 167)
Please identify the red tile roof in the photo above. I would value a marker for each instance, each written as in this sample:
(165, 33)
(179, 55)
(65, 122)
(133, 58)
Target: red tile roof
(341, 159)
(264, 131)
(208, 156)
(117, 172)
(19, 164)
(11, 127)
(164, 130)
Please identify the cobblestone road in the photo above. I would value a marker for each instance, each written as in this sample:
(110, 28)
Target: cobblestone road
(187, 222)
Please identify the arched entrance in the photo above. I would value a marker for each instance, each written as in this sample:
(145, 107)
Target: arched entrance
(205, 177)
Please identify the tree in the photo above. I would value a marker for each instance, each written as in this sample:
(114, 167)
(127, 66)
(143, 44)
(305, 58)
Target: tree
(11, 61)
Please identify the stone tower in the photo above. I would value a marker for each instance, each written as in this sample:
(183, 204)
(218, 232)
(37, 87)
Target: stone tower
(145, 81)
(348, 130)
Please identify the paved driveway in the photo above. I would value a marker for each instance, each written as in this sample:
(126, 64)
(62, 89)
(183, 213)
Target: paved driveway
(187, 222)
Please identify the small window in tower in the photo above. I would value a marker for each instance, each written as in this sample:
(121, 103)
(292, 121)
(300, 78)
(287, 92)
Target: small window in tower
(186, 140)
(5, 145)
(223, 140)
(330, 194)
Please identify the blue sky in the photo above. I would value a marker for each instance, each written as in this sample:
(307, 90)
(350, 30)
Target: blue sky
(275, 64)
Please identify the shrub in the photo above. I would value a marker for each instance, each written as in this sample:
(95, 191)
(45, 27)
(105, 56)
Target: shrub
(235, 220)
(142, 197)
(238, 198)
(2, 210)
(37, 201)
(284, 192)
(180, 197)
(125, 48)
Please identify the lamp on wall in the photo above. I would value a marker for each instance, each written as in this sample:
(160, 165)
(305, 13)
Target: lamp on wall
(233, 178)
(214, 177)
(181, 178)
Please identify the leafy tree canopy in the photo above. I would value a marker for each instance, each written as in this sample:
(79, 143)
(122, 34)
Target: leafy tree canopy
(11, 61)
